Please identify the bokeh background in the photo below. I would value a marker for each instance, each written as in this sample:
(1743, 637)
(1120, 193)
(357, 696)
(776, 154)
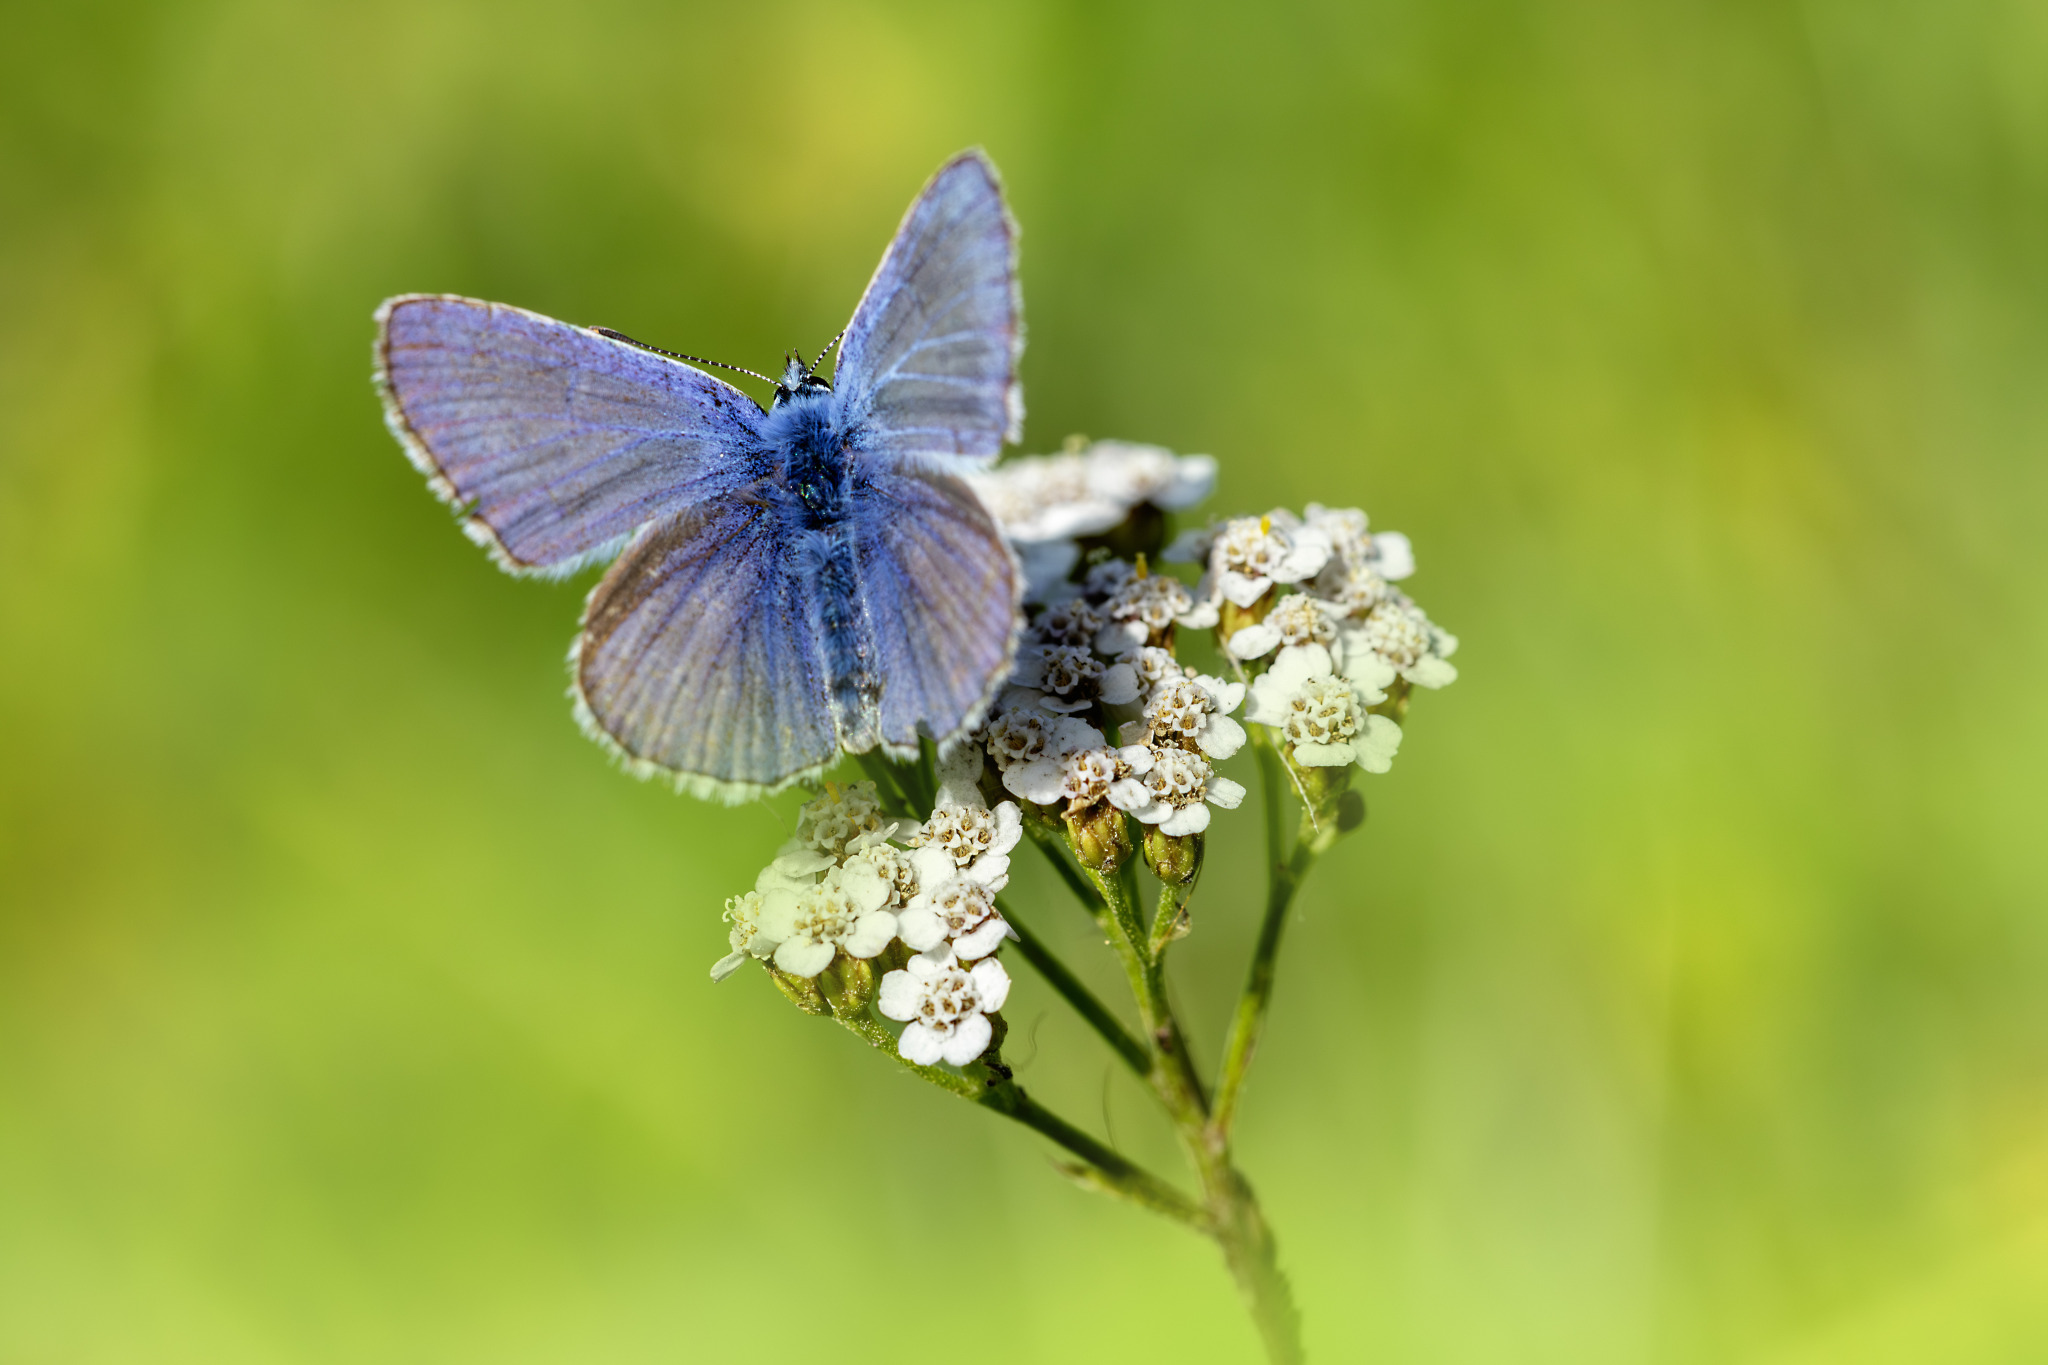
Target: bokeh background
(1685, 999)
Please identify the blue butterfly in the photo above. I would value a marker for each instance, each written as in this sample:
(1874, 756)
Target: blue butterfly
(788, 582)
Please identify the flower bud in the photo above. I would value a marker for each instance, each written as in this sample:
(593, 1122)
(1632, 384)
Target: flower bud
(848, 984)
(1099, 836)
(1350, 812)
(1173, 858)
(802, 991)
(1323, 787)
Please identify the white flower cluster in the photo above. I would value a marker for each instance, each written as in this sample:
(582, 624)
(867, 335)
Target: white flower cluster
(1315, 593)
(852, 882)
(1106, 653)
(1045, 502)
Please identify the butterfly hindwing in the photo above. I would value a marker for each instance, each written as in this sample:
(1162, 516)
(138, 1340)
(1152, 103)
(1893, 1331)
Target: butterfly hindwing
(942, 591)
(698, 656)
(929, 363)
(558, 442)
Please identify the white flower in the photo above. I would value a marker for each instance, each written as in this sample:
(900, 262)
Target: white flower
(1018, 735)
(1155, 665)
(1342, 527)
(1073, 622)
(1296, 619)
(1248, 555)
(1352, 587)
(1321, 713)
(1083, 493)
(1141, 610)
(1036, 777)
(1070, 678)
(842, 911)
(893, 867)
(1102, 580)
(959, 776)
(945, 1006)
(971, 839)
(743, 913)
(1194, 713)
(1172, 788)
(1395, 635)
(838, 822)
(959, 908)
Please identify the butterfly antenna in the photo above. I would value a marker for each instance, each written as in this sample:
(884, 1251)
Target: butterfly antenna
(678, 355)
(828, 350)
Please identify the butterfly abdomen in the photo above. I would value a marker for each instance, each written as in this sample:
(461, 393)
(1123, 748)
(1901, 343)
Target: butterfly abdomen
(816, 487)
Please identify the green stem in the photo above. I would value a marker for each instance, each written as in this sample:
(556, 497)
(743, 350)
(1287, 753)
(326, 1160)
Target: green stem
(1100, 1167)
(1077, 994)
(1284, 873)
(1173, 1073)
(1173, 901)
(1236, 1221)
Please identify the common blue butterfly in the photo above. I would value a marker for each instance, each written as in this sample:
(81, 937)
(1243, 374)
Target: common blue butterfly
(788, 582)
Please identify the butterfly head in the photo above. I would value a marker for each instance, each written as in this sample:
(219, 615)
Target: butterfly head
(798, 380)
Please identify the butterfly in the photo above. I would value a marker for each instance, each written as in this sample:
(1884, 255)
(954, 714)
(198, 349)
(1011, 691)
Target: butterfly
(785, 582)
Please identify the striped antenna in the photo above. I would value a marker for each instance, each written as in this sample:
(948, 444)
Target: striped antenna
(828, 350)
(678, 355)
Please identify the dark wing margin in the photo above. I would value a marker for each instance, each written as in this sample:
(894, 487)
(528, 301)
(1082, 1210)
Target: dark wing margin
(929, 362)
(697, 659)
(943, 592)
(555, 443)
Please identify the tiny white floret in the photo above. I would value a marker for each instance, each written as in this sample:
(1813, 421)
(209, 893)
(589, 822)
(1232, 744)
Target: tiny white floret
(944, 1006)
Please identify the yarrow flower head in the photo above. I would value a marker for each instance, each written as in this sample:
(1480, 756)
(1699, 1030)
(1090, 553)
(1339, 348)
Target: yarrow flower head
(945, 1007)
(1248, 556)
(970, 838)
(743, 913)
(1193, 712)
(1037, 778)
(841, 912)
(1398, 638)
(1086, 492)
(1142, 611)
(958, 910)
(1173, 789)
(1045, 502)
(1322, 714)
(839, 821)
(1296, 619)
(1070, 678)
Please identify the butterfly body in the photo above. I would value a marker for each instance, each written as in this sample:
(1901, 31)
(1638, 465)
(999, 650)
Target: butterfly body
(789, 582)
(819, 496)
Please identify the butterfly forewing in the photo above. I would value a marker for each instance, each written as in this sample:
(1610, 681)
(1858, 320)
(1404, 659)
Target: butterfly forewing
(929, 363)
(697, 656)
(942, 596)
(559, 443)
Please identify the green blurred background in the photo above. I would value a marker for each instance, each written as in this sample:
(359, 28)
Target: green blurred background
(1685, 999)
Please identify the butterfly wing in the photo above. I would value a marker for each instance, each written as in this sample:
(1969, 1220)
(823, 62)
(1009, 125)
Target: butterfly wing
(698, 659)
(928, 365)
(942, 591)
(557, 442)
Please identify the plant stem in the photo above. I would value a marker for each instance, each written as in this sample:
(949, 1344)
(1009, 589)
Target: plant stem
(1284, 872)
(1236, 1221)
(1077, 994)
(1100, 1167)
